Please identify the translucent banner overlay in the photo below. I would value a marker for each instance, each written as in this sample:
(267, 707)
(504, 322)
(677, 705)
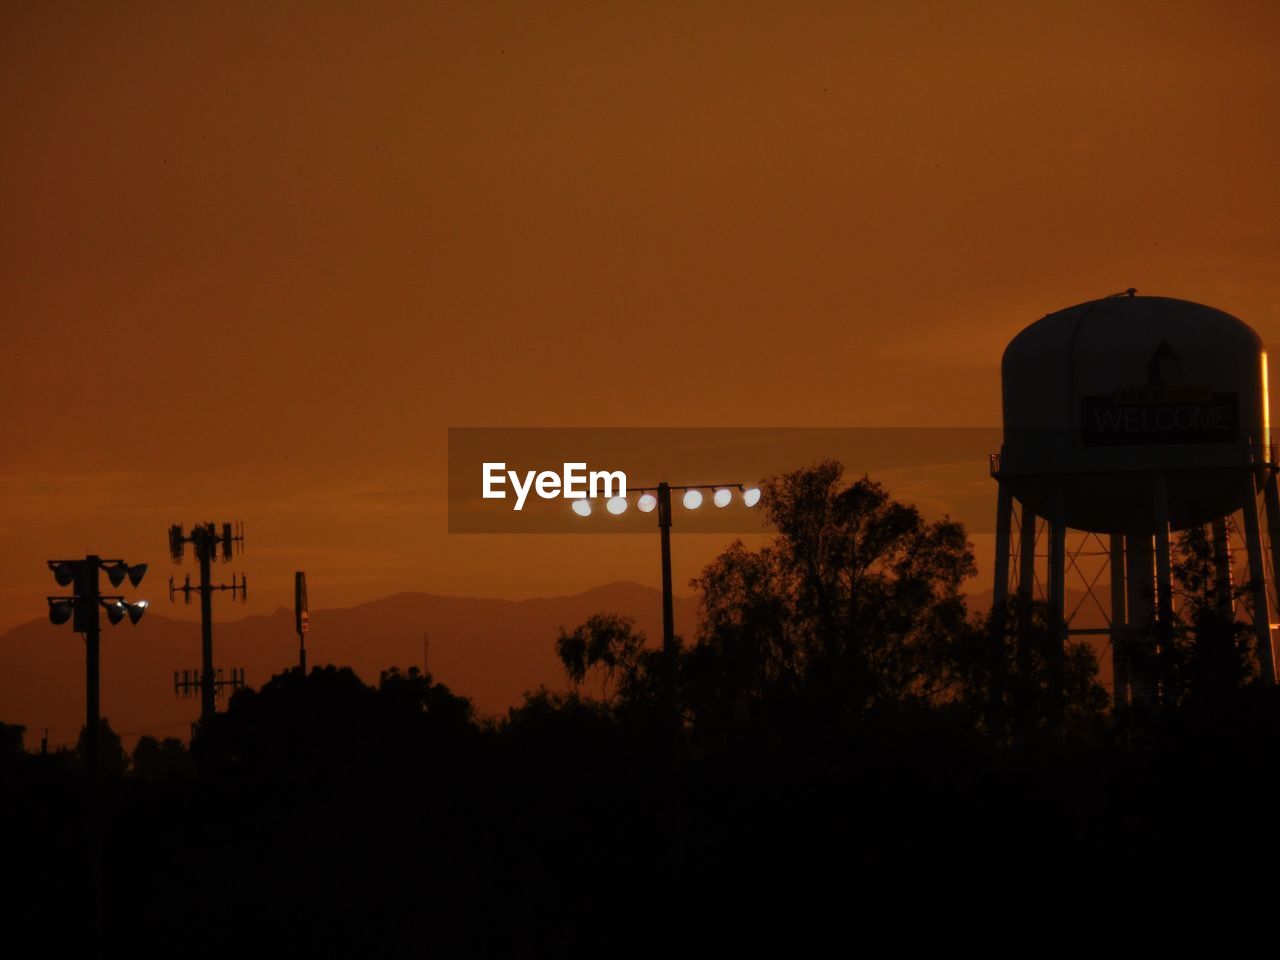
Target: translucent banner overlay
(943, 471)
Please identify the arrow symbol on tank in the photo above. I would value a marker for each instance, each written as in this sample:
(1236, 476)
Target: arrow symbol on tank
(1160, 363)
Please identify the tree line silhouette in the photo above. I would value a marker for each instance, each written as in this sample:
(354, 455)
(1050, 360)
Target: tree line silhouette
(850, 745)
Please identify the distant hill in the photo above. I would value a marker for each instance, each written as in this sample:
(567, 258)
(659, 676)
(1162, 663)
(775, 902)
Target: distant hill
(490, 650)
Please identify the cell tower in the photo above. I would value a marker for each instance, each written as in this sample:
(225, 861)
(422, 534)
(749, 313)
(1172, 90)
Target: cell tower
(1127, 419)
(206, 540)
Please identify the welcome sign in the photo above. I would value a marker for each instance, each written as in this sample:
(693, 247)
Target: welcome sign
(1134, 416)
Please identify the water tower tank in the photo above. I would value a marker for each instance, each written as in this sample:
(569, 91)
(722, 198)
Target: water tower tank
(1106, 399)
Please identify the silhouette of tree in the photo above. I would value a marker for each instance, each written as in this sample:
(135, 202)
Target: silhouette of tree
(1209, 657)
(852, 606)
(158, 760)
(1003, 679)
(329, 725)
(852, 609)
(423, 710)
(112, 760)
(11, 740)
(610, 646)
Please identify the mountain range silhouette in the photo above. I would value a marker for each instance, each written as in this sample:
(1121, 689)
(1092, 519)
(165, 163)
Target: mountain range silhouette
(490, 650)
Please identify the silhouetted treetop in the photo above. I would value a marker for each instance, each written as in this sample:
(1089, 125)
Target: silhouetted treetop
(851, 605)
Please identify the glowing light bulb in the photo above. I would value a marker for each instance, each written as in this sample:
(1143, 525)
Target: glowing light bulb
(617, 505)
(582, 508)
(722, 498)
(647, 503)
(751, 496)
(692, 499)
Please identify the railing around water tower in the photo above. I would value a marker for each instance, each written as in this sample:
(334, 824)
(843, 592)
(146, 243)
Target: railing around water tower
(1257, 454)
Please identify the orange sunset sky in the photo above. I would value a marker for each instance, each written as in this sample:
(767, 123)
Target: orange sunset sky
(257, 258)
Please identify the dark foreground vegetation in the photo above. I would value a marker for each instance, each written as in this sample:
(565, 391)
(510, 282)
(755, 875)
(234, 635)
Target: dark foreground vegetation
(855, 758)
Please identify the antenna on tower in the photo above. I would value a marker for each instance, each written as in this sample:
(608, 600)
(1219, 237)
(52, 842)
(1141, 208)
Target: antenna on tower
(206, 541)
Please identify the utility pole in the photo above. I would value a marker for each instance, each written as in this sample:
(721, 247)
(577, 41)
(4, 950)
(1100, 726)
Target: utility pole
(85, 606)
(301, 620)
(205, 539)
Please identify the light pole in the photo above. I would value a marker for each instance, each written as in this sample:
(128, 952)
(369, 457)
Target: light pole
(668, 597)
(301, 620)
(84, 606)
(659, 498)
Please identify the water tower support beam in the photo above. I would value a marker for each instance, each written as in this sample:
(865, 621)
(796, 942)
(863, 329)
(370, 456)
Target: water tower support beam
(1164, 563)
(1222, 565)
(1271, 494)
(1027, 558)
(1140, 578)
(1004, 523)
(1258, 584)
(1119, 668)
(1057, 600)
(1026, 587)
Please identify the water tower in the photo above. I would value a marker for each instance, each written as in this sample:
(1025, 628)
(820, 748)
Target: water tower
(1127, 419)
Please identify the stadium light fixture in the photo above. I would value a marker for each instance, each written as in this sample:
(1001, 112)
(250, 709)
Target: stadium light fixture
(659, 498)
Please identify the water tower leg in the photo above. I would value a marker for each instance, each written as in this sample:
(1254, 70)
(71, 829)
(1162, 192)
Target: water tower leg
(1272, 494)
(1140, 577)
(1000, 589)
(1222, 565)
(1026, 589)
(1258, 584)
(1000, 605)
(1164, 565)
(1057, 601)
(1027, 558)
(1119, 671)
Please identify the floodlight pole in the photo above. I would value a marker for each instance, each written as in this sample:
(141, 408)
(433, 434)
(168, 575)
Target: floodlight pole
(670, 659)
(84, 606)
(668, 601)
(88, 609)
(89, 595)
(669, 672)
(662, 495)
